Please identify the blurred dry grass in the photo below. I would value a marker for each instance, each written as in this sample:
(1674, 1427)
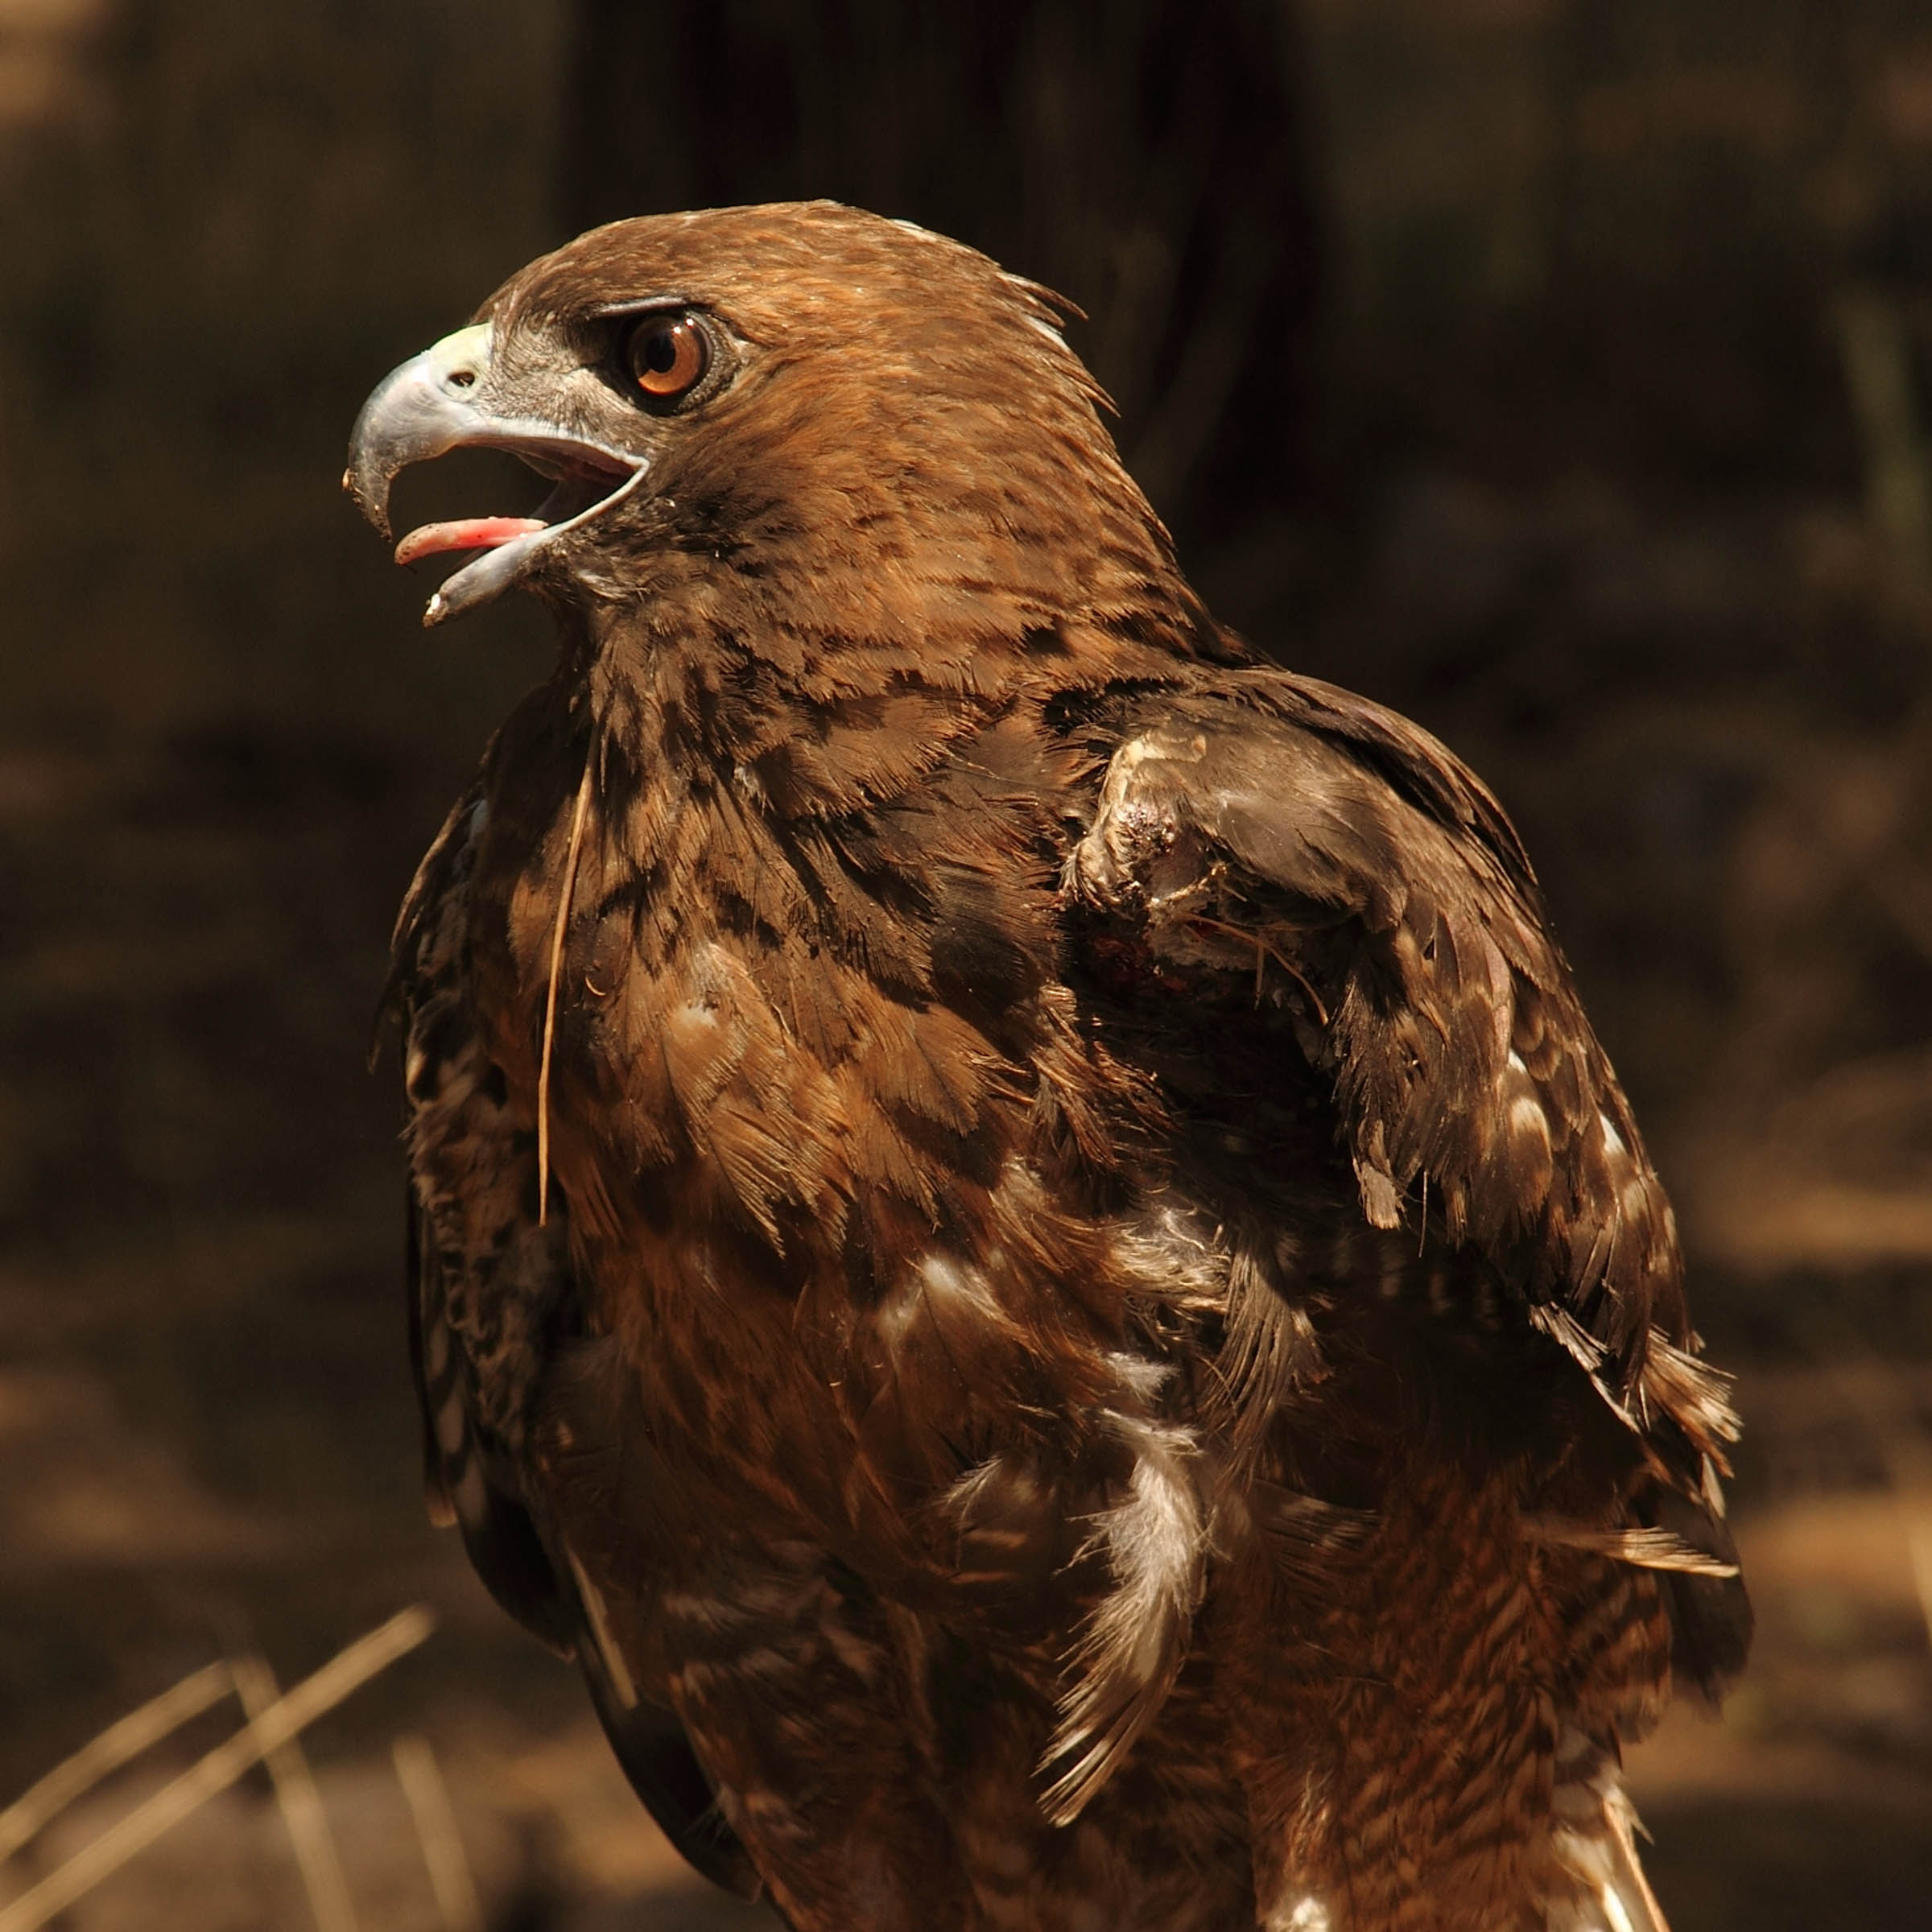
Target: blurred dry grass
(1609, 496)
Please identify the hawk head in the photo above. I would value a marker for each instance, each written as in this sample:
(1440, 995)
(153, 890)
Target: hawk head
(777, 421)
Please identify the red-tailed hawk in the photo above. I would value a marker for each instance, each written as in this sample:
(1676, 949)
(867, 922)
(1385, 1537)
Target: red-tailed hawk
(1022, 1247)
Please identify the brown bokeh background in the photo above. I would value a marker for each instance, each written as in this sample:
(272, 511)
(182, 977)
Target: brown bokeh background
(1559, 371)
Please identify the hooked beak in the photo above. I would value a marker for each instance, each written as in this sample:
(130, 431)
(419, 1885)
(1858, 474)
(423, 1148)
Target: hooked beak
(433, 404)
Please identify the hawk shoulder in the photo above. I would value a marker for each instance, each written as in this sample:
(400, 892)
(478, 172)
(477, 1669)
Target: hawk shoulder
(1272, 857)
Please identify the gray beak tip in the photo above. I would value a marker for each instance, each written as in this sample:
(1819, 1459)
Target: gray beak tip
(368, 488)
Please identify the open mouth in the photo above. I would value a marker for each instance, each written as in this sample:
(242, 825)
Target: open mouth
(439, 401)
(509, 545)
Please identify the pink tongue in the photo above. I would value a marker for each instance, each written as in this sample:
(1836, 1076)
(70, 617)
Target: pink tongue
(466, 533)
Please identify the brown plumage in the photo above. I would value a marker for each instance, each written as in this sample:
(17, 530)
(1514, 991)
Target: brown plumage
(1022, 1246)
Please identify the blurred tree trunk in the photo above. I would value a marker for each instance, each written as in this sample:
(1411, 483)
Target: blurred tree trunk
(1147, 158)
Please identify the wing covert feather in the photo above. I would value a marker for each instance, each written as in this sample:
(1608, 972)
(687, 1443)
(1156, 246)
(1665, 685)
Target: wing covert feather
(1282, 833)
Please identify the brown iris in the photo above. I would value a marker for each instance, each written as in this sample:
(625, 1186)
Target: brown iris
(668, 356)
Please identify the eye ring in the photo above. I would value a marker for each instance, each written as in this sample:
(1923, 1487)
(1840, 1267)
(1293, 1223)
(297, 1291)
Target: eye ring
(667, 356)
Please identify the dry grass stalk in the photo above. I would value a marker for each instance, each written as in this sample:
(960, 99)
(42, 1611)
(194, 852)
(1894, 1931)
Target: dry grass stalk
(550, 998)
(301, 1804)
(283, 1719)
(1871, 1389)
(449, 1875)
(1910, 1466)
(119, 1743)
(1874, 338)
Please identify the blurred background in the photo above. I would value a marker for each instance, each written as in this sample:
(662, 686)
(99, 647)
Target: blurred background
(1559, 371)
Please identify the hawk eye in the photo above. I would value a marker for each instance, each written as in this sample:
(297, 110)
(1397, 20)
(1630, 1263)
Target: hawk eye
(668, 356)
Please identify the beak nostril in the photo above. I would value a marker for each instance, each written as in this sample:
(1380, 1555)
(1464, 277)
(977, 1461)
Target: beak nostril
(462, 378)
